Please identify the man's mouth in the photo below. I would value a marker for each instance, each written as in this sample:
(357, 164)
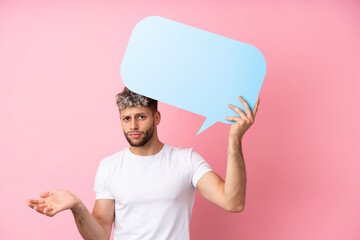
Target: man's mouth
(135, 135)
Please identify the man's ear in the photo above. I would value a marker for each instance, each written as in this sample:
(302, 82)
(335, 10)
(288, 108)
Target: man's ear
(157, 117)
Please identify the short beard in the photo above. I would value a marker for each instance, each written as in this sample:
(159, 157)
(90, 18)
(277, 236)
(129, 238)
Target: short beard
(148, 135)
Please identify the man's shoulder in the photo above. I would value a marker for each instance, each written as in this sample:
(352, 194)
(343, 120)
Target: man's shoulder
(189, 152)
(180, 150)
(113, 157)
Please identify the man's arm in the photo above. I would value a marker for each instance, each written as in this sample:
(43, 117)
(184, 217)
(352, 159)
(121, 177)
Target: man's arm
(230, 194)
(235, 182)
(95, 226)
(91, 226)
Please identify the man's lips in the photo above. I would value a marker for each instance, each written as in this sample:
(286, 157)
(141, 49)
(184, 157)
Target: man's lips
(135, 135)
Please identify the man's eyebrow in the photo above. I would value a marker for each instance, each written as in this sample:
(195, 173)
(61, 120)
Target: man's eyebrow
(142, 113)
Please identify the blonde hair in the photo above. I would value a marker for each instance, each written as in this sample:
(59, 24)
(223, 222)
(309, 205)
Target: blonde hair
(128, 98)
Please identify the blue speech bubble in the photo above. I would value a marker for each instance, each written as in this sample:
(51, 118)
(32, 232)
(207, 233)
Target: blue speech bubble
(192, 69)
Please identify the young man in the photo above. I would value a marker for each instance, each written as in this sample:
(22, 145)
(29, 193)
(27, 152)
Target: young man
(149, 188)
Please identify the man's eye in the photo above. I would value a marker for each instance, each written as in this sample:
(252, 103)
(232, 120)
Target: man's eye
(125, 119)
(142, 117)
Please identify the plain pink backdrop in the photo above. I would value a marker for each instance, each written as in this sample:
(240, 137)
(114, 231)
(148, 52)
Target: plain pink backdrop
(60, 71)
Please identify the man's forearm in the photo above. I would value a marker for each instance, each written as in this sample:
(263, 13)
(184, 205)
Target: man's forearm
(87, 225)
(235, 181)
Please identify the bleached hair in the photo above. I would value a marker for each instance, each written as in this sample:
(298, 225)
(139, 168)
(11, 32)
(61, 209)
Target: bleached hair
(128, 98)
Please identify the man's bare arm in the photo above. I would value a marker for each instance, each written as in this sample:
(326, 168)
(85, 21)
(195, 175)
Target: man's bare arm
(95, 226)
(235, 182)
(91, 226)
(230, 194)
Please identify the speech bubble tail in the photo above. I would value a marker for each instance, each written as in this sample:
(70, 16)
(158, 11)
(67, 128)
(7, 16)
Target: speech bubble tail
(207, 123)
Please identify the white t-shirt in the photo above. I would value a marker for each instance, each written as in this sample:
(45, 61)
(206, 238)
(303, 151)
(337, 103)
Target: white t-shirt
(154, 195)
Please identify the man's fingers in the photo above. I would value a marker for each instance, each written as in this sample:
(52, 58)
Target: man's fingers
(38, 209)
(45, 194)
(43, 209)
(41, 205)
(47, 210)
(234, 118)
(239, 111)
(45, 205)
(50, 212)
(246, 106)
(33, 201)
(256, 107)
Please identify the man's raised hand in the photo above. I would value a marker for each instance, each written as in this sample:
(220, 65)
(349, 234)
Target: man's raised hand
(244, 121)
(53, 202)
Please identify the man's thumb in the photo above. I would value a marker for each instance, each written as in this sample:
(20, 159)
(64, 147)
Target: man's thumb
(44, 194)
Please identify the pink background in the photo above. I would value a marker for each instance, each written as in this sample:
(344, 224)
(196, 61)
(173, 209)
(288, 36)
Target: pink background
(60, 71)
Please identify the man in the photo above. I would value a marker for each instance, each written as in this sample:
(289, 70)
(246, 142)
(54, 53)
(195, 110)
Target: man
(149, 188)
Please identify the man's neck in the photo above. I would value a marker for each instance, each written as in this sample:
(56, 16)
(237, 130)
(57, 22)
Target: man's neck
(150, 148)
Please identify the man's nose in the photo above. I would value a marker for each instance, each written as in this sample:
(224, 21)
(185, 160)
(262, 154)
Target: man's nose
(134, 124)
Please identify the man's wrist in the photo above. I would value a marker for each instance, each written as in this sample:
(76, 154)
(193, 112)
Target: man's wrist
(235, 138)
(76, 206)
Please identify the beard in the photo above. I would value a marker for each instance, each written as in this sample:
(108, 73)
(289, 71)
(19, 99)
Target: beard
(148, 135)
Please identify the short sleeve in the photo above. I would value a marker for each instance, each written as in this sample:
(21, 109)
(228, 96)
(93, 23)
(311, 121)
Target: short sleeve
(200, 166)
(102, 183)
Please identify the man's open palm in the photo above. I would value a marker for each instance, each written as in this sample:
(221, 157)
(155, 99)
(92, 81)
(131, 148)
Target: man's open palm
(53, 202)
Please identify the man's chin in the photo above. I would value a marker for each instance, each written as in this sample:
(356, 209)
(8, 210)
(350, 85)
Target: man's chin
(134, 144)
(139, 143)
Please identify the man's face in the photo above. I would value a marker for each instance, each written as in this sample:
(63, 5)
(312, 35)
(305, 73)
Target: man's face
(138, 124)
